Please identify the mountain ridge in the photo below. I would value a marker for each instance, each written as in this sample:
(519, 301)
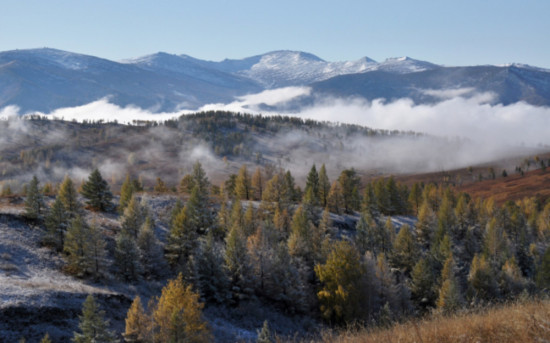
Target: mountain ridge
(45, 79)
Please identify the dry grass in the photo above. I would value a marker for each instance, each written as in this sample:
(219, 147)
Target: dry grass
(523, 323)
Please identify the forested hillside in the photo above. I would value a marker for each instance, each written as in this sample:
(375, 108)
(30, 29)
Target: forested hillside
(187, 248)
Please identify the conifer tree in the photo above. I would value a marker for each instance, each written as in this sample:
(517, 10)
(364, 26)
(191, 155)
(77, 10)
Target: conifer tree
(198, 211)
(177, 316)
(56, 223)
(257, 184)
(187, 184)
(543, 271)
(68, 196)
(95, 251)
(138, 328)
(405, 252)
(97, 191)
(127, 258)
(237, 261)
(415, 198)
(342, 279)
(34, 203)
(422, 284)
(160, 186)
(182, 240)
(482, 279)
(93, 326)
(311, 191)
(335, 198)
(212, 279)
(76, 247)
(304, 240)
(324, 186)
(126, 192)
(133, 217)
(450, 296)
(349, 184)
(369, 203)
(150, 250)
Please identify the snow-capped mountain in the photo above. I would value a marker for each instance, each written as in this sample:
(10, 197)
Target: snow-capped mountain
(46, 79)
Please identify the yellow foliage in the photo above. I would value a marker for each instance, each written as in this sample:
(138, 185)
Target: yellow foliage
(177, 316)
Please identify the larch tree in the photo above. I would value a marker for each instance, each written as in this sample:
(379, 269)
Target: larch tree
(127, 190)
(133, 217)
(177, 317)
(243, 188)
(450, 296)
(76, 247)
(342, 279)
(97, 192)
(182, 241)
(423, 281)
(138, 324)
(405, 252)
(258, 184)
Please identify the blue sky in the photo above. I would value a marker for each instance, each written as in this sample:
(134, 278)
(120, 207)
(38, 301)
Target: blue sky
(446, 32)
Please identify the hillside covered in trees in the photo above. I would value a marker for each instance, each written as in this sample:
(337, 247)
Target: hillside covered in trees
(195, 250)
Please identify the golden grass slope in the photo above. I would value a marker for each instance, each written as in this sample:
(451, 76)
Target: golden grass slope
(524, 323)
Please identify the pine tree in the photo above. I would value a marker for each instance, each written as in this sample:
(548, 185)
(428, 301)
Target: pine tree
(187, 184)
(150, 250)
(182, 240)
(177, 316)
(68, 197)
(127, 258)
(97, 191)
(93, 326)
(198, 211)
(237, 260)
(34, 203)
(138, 328)
(543, 271)
(56, 223)
(76, 247)
(324, 186)
(213, 281)
(160, 186)
(369, 203)
(311, 191)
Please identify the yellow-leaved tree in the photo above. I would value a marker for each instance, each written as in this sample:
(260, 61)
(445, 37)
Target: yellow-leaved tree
(177, 316)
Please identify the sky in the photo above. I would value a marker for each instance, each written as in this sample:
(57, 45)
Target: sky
(446, 32)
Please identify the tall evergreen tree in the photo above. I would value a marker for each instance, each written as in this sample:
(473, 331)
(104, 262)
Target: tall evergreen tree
(257, 184)
(97, 191)
(133, 217)
(150, 250)
(311, 191)
(127, 258)
(324, 186)
(34, 202)
(69, 198)
(56, 223)
(93, 326)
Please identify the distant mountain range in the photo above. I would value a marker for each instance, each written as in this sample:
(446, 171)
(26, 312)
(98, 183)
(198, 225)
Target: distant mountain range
(46, 79)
